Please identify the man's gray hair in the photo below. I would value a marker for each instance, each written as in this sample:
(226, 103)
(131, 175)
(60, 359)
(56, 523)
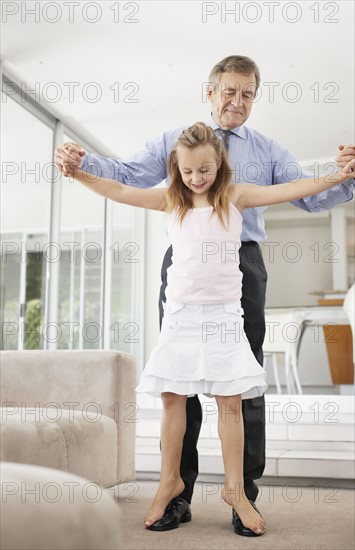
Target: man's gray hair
(235, 63)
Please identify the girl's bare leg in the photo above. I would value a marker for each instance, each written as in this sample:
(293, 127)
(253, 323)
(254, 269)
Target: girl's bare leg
(231, 433)
(173, 427)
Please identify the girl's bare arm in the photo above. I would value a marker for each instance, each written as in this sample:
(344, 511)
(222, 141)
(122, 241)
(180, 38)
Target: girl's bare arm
(247, 195)
(152, 199)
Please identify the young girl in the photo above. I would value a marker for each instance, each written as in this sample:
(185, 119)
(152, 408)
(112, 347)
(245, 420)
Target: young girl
(202, 347)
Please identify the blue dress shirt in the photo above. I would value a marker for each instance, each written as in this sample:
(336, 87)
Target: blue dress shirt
(253, 158)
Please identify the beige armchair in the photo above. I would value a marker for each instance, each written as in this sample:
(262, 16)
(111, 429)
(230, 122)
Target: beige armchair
(70, 410)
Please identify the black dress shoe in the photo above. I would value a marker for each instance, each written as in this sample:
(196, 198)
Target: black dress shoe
(177, 511)
(239, 528)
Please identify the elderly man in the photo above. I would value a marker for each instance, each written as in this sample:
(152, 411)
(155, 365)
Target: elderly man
(233, 84)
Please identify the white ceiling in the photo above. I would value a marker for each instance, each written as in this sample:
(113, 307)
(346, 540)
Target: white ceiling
(168, 53)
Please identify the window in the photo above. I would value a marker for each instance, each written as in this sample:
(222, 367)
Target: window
(85, 282)
(26, 168)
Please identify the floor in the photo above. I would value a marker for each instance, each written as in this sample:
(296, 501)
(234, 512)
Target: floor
(296, 517)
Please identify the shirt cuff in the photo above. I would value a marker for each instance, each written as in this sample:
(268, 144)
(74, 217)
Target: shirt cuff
(83, 162)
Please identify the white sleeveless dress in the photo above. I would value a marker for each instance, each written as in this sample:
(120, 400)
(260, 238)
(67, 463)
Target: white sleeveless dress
(202, 347)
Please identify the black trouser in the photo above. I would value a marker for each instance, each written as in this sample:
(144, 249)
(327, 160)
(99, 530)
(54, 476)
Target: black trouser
(253, 302)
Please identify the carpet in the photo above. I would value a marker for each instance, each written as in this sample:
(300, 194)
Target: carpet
(297, 518)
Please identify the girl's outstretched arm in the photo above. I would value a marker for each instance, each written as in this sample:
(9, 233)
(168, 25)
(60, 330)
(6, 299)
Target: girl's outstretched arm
(152, 199)
(247, 195)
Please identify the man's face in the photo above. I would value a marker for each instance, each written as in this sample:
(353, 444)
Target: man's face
(232, 100)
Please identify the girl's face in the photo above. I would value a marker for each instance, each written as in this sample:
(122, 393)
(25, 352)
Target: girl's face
(198, 167)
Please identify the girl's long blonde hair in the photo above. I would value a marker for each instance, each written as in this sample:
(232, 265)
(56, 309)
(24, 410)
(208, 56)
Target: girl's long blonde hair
(179, 197)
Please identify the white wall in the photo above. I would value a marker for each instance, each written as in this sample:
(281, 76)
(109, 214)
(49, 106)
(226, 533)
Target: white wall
(296, 257)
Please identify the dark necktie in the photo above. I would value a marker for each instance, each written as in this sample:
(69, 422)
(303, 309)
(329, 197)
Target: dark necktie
(224, 134)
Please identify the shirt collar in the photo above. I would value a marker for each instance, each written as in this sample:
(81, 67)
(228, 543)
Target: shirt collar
(239, 131)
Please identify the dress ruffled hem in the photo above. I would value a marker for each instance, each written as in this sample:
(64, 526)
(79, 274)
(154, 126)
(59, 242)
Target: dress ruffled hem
(248, 388)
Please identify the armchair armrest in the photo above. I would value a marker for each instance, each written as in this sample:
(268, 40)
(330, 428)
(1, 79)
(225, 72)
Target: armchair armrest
(94, 381)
